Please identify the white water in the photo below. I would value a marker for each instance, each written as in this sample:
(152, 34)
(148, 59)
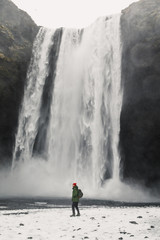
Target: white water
(83, 133)
(88, 74)
(30, 111)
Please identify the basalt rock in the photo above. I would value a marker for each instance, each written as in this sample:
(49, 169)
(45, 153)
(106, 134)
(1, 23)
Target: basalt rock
(140, 117)
(17, 33)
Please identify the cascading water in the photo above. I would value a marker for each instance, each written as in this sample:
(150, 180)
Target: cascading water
(82, 133)
(30, 111)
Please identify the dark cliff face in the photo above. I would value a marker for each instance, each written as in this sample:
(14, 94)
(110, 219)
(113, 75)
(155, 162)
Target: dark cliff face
(17, 32)
(140, 118)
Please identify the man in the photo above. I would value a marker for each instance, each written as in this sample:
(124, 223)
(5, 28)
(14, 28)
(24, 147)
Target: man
(75, 200)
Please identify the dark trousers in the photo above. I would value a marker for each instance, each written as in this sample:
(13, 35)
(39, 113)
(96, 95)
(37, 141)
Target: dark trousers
(75, 206)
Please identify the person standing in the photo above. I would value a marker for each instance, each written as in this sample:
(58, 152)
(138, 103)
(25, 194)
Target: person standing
(75, 200)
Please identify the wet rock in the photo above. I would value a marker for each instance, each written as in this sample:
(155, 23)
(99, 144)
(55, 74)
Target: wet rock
(140, 116)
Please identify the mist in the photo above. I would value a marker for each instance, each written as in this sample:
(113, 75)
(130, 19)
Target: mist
(35, 179)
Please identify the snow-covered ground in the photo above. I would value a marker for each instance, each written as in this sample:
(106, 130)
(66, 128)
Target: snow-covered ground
(95, 223)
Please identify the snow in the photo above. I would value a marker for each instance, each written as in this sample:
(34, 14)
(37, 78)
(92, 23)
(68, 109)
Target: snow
(96, 223)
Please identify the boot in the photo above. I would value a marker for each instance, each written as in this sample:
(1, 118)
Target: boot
(73, 215)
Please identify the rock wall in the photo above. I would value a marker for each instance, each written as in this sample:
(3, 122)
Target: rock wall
(17, 32)
(140, 118)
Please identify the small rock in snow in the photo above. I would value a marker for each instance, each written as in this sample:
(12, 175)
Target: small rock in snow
(139, 217)
(133, 222)
(21, 224)
(123, 232)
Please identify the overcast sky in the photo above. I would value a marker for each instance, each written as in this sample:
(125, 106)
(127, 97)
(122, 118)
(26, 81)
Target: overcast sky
(70, 13)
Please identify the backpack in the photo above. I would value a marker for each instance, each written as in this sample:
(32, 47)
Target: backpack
(80, 193)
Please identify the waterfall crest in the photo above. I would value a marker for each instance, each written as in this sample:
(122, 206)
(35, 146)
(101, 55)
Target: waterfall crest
(82, 135)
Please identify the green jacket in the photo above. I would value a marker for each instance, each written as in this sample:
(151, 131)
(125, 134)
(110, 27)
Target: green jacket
(75, 197)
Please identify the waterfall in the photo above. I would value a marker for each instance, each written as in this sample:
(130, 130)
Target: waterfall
(82, 131)
(29, 114)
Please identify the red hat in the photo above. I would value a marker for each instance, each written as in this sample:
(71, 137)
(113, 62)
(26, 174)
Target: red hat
(74, 184)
